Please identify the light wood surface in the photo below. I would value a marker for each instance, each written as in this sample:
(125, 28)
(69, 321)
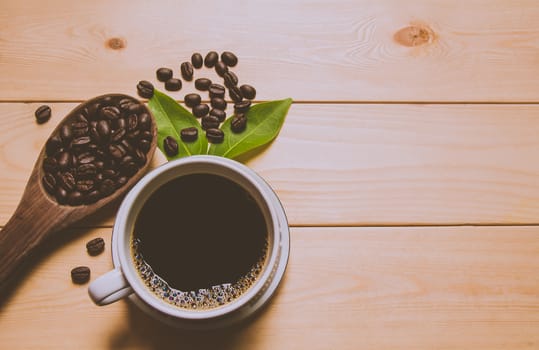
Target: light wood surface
(407, 165)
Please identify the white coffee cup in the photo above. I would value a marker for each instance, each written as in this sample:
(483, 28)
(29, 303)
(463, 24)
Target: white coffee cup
(124, 280)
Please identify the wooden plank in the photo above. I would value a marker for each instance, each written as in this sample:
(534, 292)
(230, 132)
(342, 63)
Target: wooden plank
(362, 164)
(421, 50)
(345, 288)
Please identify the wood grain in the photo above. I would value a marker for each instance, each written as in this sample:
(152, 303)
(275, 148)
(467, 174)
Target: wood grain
(362, 164)
(422, 50)
(345, 288)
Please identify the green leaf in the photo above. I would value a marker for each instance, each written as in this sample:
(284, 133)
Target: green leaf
(171, 118)
(264, 121)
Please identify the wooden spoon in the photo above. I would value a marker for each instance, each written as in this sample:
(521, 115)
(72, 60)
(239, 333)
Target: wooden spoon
(38, 215)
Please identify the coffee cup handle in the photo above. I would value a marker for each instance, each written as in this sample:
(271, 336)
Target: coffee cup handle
(108, 288)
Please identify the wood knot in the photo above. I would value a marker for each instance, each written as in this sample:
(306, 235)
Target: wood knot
(115, 43)
(414, 35)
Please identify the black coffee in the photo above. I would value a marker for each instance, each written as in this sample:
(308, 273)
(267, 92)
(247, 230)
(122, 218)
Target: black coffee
(200, 241)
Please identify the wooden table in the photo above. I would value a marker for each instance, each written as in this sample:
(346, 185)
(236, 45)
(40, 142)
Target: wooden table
(407, 165)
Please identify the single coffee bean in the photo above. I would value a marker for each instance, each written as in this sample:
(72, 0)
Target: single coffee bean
(120, 123)
(61, 195)
(92, 197)
(221, 68)
(235, 94)
(187, 71)
(238, 123)
(140, 157)
(85, 185)
(66, 134)
(99, 164)
(117, 151)
(202, 84)
(81, 142)
(49, 182)
(43, 114)
(215, 135)
(96, 246)
(133, 135)
(144, 145)
(211, 59)
(50, 164)
(197, 60)
(86, 170)
(242, 107)
(85, 158)
(221, 115)
(125, 103)
(127, 146)
(53, 144)
(80, 274)
(218, 103)
(118, 134)
(163, 74)
(192, 100)
(122, 180)
(93, 110)
(173, 84)
(145, 89)
(189, 134)
(146, 135)
(94, 135)
(134, 108)
(171, 146)
(217, 90)
(64, 160)
(144, 121)
(107, 187)
(74, 198)
(110, 112)
(80, 118)
(210, 122)
(66, 180)
(230, 79)
(110, 173)
(201, 110)
(132, 122)
(74, 160)
(229, 58)
(126, 159)
(248, 91)
(107, 101)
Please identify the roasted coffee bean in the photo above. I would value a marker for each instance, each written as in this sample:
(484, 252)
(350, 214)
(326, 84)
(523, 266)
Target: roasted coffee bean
(79, 129)
(211, 59)
(110, 112)
(134, 108)
(127, 146)
(80, 118)
(61, 195)
(215, 135)
(189, 134)
(86, 158)
(74, 198)
(217, 90)
(218, 103)
(122, 180)
(110, 173)
(85, 185)
(49, 182)
(173, 84)
(66, 134)
(133, 135)
(86, 170)
(125, 103)
(53, 144)
(99, 164)
(50, 164)
(64, 160)
(221, 115)
(235, 94)
(210, 122)
(126, 159)
(93, 197)
(248, 91)
(163, 74)
(120, 123)
(202, 84)
(145, 89)
(201, 110)
(140, 157)
(43, 114)
(80, 274)
(103, 129)
(186, 69)
(107, 187)
(229, 58)
(192, 100)
(145, 145)
(81, 142)
(107, 101)
(93, 110)
(197, 60)
(146, 135)
(144, 121)
(242, 107)
(170, 146)
(118, 134)
(66, 180)
(221, 68)
(230, 79)
(74, 160)
(94, 135)
(117, 151)
(132, 122)
(96, 246)
(130, 168)
(238, 123)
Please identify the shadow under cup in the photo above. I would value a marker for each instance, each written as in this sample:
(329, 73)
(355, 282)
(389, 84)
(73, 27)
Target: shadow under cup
(125, 280)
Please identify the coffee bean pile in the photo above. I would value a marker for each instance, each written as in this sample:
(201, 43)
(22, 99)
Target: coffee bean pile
(97, 151)
(211, 115)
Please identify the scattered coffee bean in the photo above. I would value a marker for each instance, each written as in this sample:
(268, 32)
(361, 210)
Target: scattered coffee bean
(210, 122)
(235, 93)
(238, 123)
(145, 89)
(201, 110)
(218, 103)
(187, 71)
(173, 84)
(43, 114)
(242, 107)
(230, 79)
(163, 74)
(202, 84)
(217, 90)
(171, 146)
(248, 91)
(80, 274)
(96, 246)
(215, 135)
(211, 59)
(221, 68)
(221, 115)
(229, 58)
(196, 60)
(192, 100)
(189, 134)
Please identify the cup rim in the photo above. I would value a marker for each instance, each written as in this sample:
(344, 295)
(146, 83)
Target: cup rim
(121, 233)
